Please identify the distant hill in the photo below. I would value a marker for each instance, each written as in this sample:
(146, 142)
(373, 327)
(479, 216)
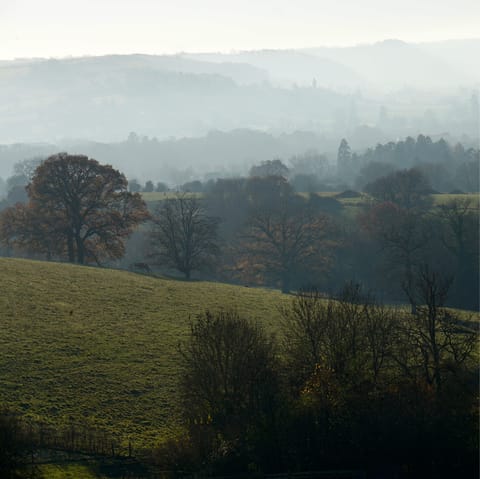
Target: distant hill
(105, 98)
(402, 88)
(387, 65)
(287, 67)
(240, 73)
(98, 345)
(394, 64)
(459, 54)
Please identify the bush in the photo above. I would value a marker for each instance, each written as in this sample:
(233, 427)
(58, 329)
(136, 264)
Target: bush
(229, 386)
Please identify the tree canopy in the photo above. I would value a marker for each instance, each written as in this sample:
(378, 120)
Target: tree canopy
(283, 234)
(407, 188)
(77, 208)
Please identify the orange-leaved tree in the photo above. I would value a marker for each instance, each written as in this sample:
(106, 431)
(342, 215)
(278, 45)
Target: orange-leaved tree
(77, 208)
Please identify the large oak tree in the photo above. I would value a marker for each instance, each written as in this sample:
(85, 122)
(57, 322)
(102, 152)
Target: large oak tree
(77, 208)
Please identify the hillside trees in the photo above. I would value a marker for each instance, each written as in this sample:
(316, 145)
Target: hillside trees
(344, 159)
(447, 167)
(459, 234)
(229, 383)
(77, 208)
(406, 188)
(439, 343)
(356, 385)
(269, 168)
(381, 382)
(351, 335)
(467, 175)
(398, 221)
(283, 234)
(32, 230)
(402, 235)
(183, 236)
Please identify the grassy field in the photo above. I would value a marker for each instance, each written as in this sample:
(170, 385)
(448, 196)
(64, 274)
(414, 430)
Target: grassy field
(100, 345)
(154, 196)
(441, 199)
(69, 471)
(438, 199)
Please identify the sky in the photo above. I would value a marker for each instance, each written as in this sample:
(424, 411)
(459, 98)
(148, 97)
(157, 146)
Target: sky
(58, 28)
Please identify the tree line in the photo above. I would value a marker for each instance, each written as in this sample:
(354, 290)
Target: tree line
(261, 232)
(252, 231)
(350, 384)
(448, 168)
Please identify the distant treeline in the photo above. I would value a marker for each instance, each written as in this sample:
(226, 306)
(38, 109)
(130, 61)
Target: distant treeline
(232, 153)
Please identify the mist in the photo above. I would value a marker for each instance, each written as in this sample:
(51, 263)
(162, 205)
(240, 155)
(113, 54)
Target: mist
(239, 239)
(369, 94)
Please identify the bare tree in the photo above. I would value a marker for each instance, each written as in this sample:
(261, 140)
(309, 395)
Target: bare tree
(403, 235)
(459, 218)
(438, 341)
(228, 373)
(284, 235)
(183, 236)
(305, 323)
(458, 223)
(351, 335)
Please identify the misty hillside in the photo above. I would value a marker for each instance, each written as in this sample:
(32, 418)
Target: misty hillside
(459, 54)
(241, 73)
(108, 97)
(333, 91)
(175, 160)
(385, 65)
(288, 67)
(394, 64)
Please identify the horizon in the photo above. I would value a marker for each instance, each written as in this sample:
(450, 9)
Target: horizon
(238, 51)
(58, 29)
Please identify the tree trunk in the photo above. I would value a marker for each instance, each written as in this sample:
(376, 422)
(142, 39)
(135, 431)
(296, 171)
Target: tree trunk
(409, 285)
(71, 252)
(80, 250)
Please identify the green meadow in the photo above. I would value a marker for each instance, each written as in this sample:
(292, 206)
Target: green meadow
(438, 199)
(100, 346)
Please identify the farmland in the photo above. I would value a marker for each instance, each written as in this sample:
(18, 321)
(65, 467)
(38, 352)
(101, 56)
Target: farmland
(100, 346)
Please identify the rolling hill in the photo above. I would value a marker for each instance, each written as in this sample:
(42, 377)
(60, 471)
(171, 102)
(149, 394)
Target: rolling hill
(100, 346)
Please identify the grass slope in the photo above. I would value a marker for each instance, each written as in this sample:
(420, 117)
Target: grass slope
(349, 203)
(101, 345)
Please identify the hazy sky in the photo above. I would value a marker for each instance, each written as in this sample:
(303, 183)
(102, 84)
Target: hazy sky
(31, 28)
